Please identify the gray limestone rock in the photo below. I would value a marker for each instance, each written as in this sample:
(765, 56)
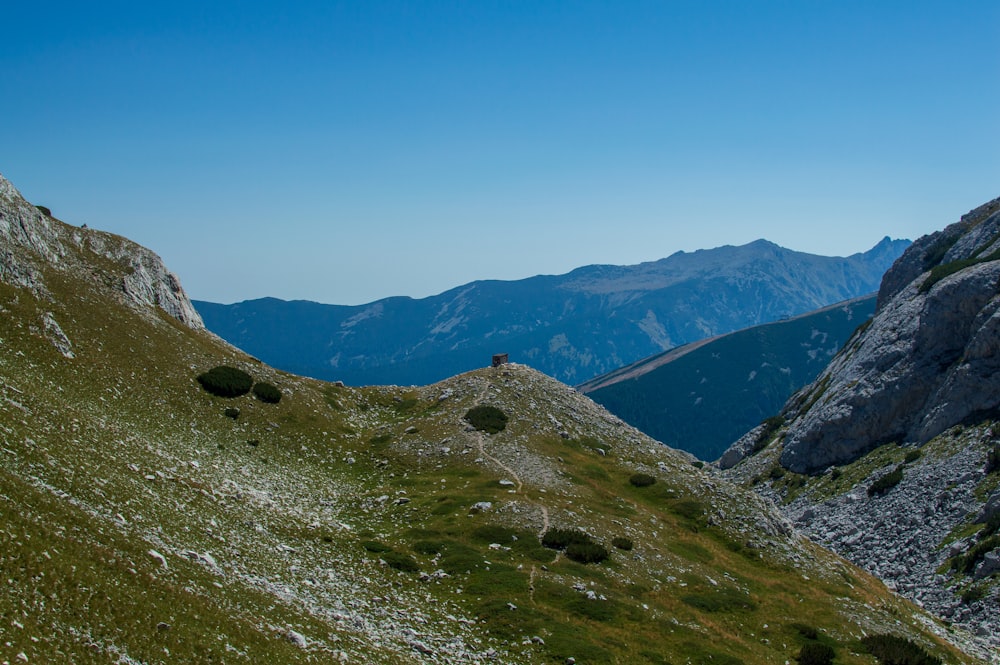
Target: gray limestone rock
(928, 361)
(32, 242)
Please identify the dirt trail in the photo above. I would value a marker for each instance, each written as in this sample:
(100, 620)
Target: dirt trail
(481, 445)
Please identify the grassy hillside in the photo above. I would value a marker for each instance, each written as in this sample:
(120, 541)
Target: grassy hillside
(703, 397)
(144, 520)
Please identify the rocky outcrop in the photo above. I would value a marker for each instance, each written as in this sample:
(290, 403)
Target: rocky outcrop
(924, 374)
(929, 359)
(904, 536)
(31, 242)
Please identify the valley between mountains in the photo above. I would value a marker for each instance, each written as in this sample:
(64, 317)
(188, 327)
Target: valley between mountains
(497, 515)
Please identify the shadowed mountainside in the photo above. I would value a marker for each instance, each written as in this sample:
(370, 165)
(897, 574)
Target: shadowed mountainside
(702, 396)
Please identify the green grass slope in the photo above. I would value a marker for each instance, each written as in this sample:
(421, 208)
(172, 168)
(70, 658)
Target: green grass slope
(144, 520)
(703, 397)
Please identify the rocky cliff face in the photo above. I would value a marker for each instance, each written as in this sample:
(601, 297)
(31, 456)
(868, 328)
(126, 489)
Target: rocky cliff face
(32, 242)
(927, 362)
(890, 457)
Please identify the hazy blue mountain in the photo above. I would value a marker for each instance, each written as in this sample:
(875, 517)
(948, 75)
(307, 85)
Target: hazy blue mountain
(702, 396)
(573, 327)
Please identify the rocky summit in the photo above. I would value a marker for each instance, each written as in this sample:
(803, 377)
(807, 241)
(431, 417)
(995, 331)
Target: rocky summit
(892, 456)
(167, 498)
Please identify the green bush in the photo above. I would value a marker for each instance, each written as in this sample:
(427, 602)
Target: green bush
(232, 412)
(225, 381)
(912, 456)
(777, 472)
(886, 482)
(895, 650)
(560, 539)
(486, 418)
(587, 552)
(44, 210)
(835, 474)
(641, 480)
(816, 653)
(622, 543)
(266, 392)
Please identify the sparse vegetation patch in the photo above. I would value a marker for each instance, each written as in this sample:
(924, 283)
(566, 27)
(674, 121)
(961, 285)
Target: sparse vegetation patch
(816, 653)
(895, 650)
(885, 483)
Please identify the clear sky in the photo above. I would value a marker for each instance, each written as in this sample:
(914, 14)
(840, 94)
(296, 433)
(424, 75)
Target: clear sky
(348, 151)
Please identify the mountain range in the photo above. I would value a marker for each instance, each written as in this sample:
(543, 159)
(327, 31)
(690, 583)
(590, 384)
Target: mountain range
(573, 327)
(168, 498)
(702, 396)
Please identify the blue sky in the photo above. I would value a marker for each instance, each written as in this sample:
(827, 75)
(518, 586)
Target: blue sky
(343, 152)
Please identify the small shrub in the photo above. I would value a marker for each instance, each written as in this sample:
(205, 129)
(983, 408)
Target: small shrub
(486, 418)
(777, 472)
(993, 459)
(895, 650)
(232, 412)
(912, 456)
(641, 480)
(622, 543)
(560, 539)
(816, 653)
(45, 211)
(587, 552)
(698, 464)
(771, 426)
(266, 392)
(886, 482)
(836, 474)
(225, 381)
(400, 561)
(971, 559)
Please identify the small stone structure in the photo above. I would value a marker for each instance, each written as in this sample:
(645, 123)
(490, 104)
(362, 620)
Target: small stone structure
(500, 359)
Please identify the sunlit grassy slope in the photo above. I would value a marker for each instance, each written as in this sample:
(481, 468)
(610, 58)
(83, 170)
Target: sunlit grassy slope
(139, 523)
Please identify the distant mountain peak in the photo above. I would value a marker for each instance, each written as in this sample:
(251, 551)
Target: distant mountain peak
(574, 326)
